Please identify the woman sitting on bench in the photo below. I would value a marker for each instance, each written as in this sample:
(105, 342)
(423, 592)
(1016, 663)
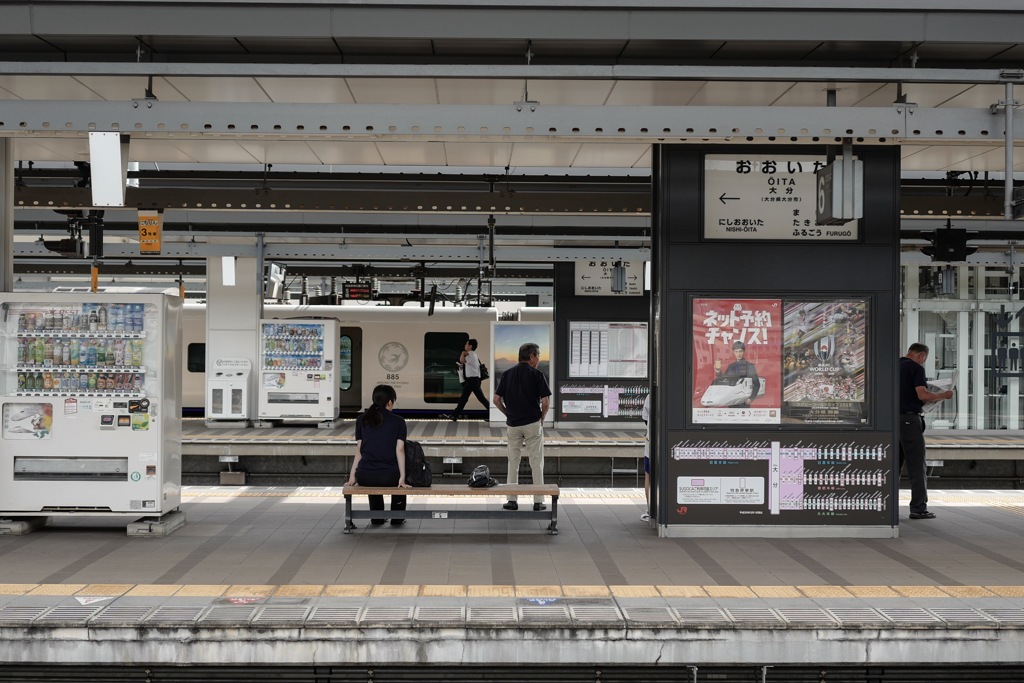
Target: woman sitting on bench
(380, 450)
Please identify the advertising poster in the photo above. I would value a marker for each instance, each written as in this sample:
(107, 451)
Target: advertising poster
(27, 420)
(737, 361)
(508, 337)
(824, 362)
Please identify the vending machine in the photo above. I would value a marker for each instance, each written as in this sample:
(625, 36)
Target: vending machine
(90, 404)
(298, 370)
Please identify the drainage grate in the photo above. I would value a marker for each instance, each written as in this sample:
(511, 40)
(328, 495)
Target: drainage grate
(439, 613)
(753, 615)
(380, 614)
(849, 616)
(604, 614)
(910, 615)
(491, 615)
(281, 614)
(78, 614)
(701, 615)
(171, 614)
(229, 614)
(1009, 615)
(334, 615)
(960, 615)
(13, 613)
(543, 614)
(814, 615)
(122, 614)
(649, 615)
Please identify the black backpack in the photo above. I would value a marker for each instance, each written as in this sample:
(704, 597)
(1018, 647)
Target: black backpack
(481, 478)
(417, 469)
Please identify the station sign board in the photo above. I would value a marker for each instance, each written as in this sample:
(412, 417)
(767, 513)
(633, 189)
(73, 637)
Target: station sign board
(757, 197)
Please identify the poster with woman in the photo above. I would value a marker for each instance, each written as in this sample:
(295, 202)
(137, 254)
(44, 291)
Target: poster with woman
(737, 361)
(824, 362)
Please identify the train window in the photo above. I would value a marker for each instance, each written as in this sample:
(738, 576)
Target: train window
(196, 361)
(345, 363)
(441, 352)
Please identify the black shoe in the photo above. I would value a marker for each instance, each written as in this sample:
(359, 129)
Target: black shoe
(511, 505)
(922, 515)
(377, 521)
(537, 507)
(397, 522)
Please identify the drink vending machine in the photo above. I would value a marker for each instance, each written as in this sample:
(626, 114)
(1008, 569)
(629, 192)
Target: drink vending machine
(298, 370)
(90, 404)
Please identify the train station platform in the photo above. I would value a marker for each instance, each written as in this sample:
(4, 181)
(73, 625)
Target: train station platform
(264, 579)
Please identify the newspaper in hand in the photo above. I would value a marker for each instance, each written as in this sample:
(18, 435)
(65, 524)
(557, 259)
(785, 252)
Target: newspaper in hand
(939, 386)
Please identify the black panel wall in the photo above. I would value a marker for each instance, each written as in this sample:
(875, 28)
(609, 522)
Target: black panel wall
(686, 266)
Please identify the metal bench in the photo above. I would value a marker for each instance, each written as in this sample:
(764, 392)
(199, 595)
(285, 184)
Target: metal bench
(454, 492)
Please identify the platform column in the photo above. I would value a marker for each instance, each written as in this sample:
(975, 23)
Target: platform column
(6, 215)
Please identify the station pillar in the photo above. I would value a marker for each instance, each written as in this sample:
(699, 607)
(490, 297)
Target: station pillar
(6, 215)
(777, 345)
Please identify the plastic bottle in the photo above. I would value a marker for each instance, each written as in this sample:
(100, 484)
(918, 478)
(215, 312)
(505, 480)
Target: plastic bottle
(94, 320)
(73, 352)
(48, 351)
(137, 353)
(101, 318)
(91, 355)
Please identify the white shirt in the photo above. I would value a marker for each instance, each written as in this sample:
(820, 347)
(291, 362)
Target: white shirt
(645, 413)
(472, 366)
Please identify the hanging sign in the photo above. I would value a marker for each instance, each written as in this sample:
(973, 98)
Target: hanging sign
(151, 225)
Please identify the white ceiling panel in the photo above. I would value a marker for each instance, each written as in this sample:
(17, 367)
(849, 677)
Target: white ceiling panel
(883, 96)
(933, 94)
(219, 89)
(51, 149)
(954, 158)
(479, 91)
(129, 88)
(412, 153)
(281, 152)
(541, 154)
(816, 94)
(345, 153)
(214, 152)
(754, 93)
(645, 159)
(569, 92)
(599, 155)
(393, 90)
(654, 93)
(478, 153)
(46, 88)
(313, 90)
(158, 151)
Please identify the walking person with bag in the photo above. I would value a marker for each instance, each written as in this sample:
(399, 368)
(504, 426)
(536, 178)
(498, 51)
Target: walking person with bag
(522, 397)
(471, 368)
(380, 451)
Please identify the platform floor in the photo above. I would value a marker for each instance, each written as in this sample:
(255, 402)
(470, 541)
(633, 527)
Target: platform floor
(256, 569)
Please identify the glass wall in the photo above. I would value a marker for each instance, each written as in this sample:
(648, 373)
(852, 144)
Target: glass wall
(968, 315)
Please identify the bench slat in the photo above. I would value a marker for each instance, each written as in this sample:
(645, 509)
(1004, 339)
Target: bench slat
(454, 490)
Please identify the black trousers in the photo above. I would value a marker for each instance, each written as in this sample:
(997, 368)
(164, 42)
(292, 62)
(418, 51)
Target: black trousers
(470, 386)
(912, 453)
(381, 478)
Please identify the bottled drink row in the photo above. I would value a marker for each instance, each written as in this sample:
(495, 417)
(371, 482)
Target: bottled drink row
(49, 351)
(306, 362)
(122, 318)
(294, 346)
(80, 382)
(290, 330)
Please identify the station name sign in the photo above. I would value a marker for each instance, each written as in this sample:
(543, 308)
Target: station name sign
(766, 197)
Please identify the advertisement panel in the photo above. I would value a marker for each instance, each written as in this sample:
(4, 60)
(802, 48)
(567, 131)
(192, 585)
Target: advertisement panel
(737, 361)
(824, 362)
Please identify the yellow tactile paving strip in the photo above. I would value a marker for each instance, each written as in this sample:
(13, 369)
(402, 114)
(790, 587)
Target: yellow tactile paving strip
(501, 591)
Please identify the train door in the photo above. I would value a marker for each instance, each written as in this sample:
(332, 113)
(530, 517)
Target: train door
(350, 369)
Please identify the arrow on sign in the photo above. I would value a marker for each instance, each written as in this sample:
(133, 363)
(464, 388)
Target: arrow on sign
(723, 198)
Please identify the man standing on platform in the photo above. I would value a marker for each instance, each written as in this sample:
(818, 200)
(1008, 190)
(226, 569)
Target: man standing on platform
(913, 395)
(522, 396)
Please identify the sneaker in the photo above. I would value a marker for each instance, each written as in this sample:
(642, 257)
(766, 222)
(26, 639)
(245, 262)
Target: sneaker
(537, 507)
(646, 517)
(397, 522)
(511, 505)
(922, 515)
